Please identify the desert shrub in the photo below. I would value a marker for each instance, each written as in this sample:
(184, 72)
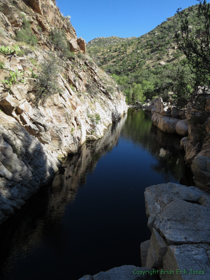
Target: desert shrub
(72, 55)
(110, 89)
(81, 56)
(25, 34)
(47, 82)
(89, 88)
(59, 40)
(97, 118)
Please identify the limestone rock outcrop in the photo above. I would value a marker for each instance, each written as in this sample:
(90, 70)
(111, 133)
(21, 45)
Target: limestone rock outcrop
(82, 45)
(74, 47)
(178, 217)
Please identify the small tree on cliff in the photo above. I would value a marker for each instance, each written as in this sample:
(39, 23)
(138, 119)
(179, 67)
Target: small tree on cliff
(47, 80)
(61, 45)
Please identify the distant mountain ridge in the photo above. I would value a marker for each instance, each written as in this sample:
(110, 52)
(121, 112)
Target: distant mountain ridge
(107, 41)
(146, 58)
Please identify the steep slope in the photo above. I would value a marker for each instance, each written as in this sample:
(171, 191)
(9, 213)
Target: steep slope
(52, 97)
(150, 60)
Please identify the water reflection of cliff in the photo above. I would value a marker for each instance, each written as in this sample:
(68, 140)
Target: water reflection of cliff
(164, 147)
(76, 167)
(43, 212)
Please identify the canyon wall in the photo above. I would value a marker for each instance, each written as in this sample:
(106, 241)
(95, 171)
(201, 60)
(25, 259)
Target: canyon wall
(38, 129)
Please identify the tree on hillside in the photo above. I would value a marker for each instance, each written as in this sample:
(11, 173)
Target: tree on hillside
(195, 44)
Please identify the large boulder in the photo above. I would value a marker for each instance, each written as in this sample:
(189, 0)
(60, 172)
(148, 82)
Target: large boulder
(144, 247)
(178, 217)
(157, 249)
(201, 169)
(182, 127)
(125, 272)
(188, 261)
(157, 197)
(179, 221)
(165, 124)
(74, 47)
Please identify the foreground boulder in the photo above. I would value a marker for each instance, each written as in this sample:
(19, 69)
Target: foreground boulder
(178, 217)
(125, 272)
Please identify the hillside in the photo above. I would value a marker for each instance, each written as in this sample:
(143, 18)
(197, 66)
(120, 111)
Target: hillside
(147, 64)
(108, 41)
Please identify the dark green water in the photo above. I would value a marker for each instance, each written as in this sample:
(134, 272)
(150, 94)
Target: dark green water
(92, 217)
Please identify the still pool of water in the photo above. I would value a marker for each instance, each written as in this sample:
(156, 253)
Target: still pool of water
(92, 216)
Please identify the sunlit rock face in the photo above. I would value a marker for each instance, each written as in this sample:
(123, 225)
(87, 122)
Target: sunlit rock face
(36, 133)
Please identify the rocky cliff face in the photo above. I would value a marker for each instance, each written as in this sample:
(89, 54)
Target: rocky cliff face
(36, 133)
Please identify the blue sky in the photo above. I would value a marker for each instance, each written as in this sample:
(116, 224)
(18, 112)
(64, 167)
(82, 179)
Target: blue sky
(125, 18)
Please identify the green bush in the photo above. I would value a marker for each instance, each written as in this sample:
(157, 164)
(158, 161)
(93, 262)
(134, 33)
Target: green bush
(72, 55)
(97, 117)
(2, 65)
(9, 50)
(14, 78)
(26, 35)
(59, 40)
(81, 56)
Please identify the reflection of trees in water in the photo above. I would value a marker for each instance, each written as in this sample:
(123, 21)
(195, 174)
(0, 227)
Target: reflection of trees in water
(164, 147)
(42, 214)
(137, 127)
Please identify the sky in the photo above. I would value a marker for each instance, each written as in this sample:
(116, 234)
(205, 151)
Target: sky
(125, 18)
